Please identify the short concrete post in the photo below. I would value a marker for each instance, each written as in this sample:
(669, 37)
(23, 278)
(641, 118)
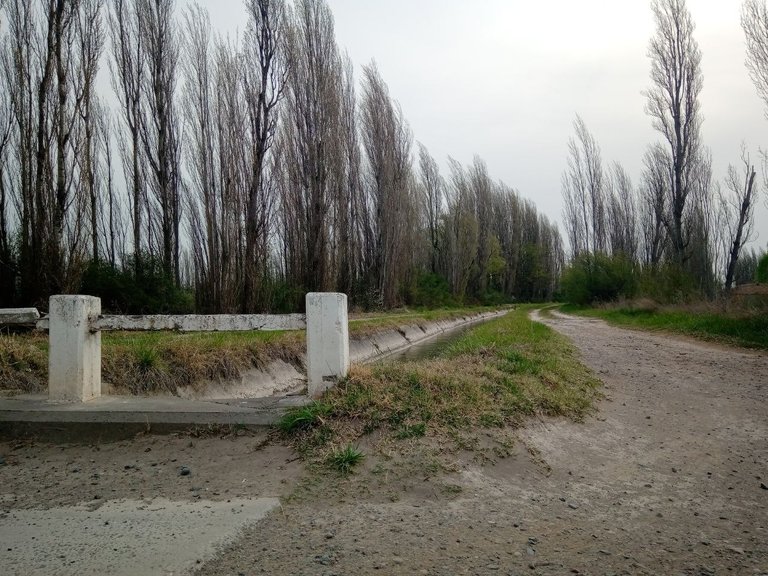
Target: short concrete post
(327, 341)
(74, 352)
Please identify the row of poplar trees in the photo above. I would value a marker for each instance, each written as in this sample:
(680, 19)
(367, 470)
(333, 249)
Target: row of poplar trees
(249, 170)
(679, 227)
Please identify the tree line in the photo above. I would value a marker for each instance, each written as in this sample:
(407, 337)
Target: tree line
(679, 233)
(234, 175)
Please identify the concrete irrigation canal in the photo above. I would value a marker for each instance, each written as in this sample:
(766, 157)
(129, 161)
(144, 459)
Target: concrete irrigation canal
(257, 397)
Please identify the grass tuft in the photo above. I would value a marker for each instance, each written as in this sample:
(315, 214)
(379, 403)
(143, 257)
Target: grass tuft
(345, 459)
(147, 359)
(304, 417)
(413, 431)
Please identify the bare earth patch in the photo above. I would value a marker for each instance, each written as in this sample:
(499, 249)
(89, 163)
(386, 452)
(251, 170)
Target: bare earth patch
(664, 479)
(669, 476)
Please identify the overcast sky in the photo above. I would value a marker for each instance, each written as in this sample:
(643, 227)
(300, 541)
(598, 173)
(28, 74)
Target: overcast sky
(504, 79)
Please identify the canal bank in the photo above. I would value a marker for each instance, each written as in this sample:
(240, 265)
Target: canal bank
(282, 378)
(255, 397)
(414, 341)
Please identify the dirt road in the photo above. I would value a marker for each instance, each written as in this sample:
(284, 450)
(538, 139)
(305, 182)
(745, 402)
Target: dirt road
(664, 479)
(670, 476)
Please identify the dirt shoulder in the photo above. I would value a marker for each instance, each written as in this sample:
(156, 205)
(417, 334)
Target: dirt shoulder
(667, 477)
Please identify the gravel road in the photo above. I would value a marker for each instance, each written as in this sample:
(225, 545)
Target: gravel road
(669, 476)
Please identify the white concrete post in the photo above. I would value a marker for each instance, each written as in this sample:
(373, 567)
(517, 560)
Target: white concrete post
(327, 341)
(74, 352)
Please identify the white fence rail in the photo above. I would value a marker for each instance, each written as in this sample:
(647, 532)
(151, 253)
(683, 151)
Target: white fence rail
(210, 323)
(19, 316)
(75, 323)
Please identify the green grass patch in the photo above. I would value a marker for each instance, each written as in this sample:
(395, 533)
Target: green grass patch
(345, 459)
(497, 374)
(411, 431)
(303, 417)
(740, 328)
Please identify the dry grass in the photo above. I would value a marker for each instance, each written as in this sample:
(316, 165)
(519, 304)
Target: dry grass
(141, 363)
(23, 362)
(165, 362)
(365, 325)
(494, 377)
(162, 362)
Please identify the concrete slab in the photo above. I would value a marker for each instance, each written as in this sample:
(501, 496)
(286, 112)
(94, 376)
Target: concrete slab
(123, 538)
(148, 410)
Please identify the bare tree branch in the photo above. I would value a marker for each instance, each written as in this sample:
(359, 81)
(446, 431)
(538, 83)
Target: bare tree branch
(673, 104)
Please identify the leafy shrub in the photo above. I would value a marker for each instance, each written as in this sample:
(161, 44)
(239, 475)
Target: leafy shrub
(494, 298)
(762, 269)
(668, 283)
(285, 297)
(432, 291)
(746, 268)
(593, 278)
(148, 291)
(8, 273)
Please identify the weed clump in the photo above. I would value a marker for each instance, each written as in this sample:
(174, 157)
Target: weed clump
(345, 459)
(304, 418)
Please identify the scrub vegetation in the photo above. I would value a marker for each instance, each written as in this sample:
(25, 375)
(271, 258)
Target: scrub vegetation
(739, 326)
(493, 377)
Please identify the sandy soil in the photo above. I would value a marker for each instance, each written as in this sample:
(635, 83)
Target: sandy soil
(670, 476)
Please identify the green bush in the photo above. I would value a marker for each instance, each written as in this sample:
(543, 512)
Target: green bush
(762, 269)
(594, 278)
(8, 275)
(668, 283)
(150, 291)
(494, 298)
(284, 297)
(431, 291)
(746, 268)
